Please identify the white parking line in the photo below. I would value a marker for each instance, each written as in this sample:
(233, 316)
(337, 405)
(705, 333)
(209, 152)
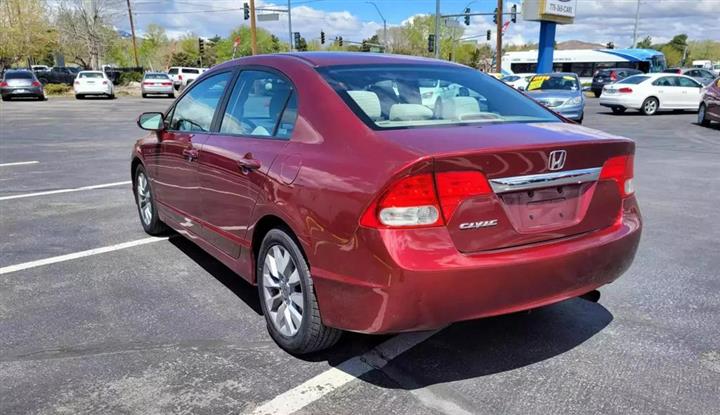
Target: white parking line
(19, 163)
(75, 189)
(332, 379)
(76, 255)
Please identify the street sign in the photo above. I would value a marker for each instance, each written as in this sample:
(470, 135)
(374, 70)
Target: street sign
(268, 17)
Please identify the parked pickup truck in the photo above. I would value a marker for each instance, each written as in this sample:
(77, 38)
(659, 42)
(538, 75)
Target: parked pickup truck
(58, 75)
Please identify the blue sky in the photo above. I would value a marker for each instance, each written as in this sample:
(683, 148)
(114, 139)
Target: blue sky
(597, 21)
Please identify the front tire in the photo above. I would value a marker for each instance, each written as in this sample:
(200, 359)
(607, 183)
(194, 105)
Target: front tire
(650, 106)
(79, 96)
(145, 201)
(287, 297)
(597, 94)
(702, 116)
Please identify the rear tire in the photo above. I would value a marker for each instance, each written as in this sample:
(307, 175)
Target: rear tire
(650, 106)
(79, 96)
(702, 116)
(171, 96)
(597, 94)
(144, 95)
(618, 110)
(287, 297)
(145, 201)
(6, 98)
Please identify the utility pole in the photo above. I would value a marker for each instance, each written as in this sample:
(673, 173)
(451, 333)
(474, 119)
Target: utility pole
(253, 34)
(385, 40)
(132, 30)
(437, 29)
(290, 33)
(637, 17)
(498, 45)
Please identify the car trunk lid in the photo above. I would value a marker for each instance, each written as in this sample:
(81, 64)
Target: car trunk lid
(544, 179)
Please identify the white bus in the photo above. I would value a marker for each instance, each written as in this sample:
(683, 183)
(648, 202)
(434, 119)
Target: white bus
(585, 62)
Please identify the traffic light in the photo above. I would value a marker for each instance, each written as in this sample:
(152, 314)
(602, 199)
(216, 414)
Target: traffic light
(365, 47)
(513, 13)
(467, 16)
(201, 46)
(296, 39)
(489, 34)
(246, 11)
(322, 37)
(431, 43)
(340, 43)
(495, 16)
(610, 45)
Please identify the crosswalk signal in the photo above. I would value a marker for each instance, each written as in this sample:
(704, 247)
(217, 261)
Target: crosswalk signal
(246, 11)
(322, 37)
(495, 16)
(201, 46)
(467, 16)
(296, 39)
(489, 34)
(431, 43)
(513, 13)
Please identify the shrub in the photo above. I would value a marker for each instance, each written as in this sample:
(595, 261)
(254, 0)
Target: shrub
(127, 77)
(57, 89)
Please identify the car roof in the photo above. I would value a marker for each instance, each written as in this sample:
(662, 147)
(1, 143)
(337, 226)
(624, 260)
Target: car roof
(557, 74)
(324, 59)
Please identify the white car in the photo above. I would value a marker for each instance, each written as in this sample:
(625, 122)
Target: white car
(431, 90)
(93, 83)
(650, 93)
(183, 76)
(518, 80)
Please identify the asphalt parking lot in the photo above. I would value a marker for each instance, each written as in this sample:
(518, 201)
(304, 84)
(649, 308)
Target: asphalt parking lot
(158, 326)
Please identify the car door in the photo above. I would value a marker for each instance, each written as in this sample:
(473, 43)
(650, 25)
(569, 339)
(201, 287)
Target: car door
(175, 177)
(691, 92)
(258, 120)
(712, 100)
(668, 92)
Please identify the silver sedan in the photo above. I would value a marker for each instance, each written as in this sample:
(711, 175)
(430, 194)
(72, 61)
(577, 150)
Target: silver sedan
(157, 83)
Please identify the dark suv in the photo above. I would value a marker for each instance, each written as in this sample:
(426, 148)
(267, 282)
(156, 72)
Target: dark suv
(608, 76)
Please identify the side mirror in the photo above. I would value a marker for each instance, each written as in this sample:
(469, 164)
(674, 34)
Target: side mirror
(151, 121)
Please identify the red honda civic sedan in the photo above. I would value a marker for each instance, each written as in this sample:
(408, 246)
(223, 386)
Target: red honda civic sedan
(380, 194)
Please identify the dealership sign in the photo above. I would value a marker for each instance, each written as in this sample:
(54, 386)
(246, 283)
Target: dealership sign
(559, 11)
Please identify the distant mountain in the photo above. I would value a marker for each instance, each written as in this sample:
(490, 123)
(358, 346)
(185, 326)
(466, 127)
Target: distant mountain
(578, 44)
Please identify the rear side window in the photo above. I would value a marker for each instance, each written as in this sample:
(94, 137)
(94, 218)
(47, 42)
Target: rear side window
(634, 80)
(173, 71)
(665, 81)
(261, 104)
(401, 96)
(19, 75)
(190, 70)
(195, 110)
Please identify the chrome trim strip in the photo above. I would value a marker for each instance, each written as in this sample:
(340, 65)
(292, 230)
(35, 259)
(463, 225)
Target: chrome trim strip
(535, 181)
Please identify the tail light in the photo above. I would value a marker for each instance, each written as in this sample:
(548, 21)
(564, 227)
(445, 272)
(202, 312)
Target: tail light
(3, 84)
(104, 82)
(36, 83)
(625, 90)
(77, 82)
(613, 76)
(424, 200)
(621, 170)
(166, 83)
(179, 77)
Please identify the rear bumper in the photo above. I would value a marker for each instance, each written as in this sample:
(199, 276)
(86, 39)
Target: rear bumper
(30, 91)
(158, 89)
(420, 281)
(617, 101)
(94, 90)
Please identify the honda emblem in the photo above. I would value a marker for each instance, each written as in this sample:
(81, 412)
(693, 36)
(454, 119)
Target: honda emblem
(556, 159)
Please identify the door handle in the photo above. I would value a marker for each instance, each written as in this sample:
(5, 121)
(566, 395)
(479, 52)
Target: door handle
(248, 162)
(190, 154)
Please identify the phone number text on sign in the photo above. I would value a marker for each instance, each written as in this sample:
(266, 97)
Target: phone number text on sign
(560, 7)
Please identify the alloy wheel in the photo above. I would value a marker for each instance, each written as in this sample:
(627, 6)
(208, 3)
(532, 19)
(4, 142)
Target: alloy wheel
(650, 106)
(282, 290)
(144, 199)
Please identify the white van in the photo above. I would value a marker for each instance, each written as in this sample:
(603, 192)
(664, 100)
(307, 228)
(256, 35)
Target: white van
(182, 76)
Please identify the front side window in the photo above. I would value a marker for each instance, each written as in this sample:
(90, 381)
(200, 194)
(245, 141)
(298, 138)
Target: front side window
(195, 110)
(173, 71)
(397, 96)
(688, 83)
(261, 104)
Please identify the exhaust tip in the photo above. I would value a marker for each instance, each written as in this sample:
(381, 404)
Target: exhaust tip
(592, 296)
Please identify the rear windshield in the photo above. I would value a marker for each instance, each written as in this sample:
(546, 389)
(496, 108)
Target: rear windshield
(173, 71)
(18, 75)
(406, 96)
(90, 75)
(553, 82)
(156, 76)
(634, 80)
(190, 71)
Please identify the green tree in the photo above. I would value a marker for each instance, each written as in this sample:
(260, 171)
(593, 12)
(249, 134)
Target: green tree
(26, 34)
(183, 58)
(266, 43)
(646, 43)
